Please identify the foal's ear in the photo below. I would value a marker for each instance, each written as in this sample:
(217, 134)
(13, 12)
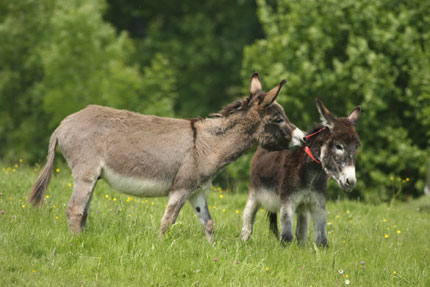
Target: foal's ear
(354, 115)
(271, 95)
(326, 117)
(254, 84)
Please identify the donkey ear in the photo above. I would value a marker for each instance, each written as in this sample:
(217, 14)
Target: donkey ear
(271, 96)
(354, 115)
(255, 84)
(326, 117)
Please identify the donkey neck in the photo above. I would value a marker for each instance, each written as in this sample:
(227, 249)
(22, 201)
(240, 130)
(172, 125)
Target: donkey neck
(313, 173)
(224, 139)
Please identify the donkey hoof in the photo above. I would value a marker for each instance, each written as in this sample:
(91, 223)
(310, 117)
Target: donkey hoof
(323, 244)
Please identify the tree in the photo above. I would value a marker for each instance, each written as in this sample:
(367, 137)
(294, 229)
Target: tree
(369, 53)
(59, 56)
(202, 40)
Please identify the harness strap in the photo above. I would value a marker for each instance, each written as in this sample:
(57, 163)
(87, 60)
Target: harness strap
(317, 132)
(309, 153)
(308, 150)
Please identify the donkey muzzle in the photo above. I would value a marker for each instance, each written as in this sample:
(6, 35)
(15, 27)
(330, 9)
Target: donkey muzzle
(298, 138)
(348, 179)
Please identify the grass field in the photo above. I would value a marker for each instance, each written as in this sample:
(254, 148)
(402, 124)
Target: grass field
(369, 245)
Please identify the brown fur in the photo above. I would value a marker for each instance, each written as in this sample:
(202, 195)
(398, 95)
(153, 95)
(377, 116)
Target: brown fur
(155, 156)
(296, 183)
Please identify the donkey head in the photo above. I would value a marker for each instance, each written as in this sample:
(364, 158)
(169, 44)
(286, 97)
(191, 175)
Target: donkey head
(339, 149)
(274, 131)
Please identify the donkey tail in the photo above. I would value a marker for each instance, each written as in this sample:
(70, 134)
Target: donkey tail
(273, 220)
(39, 187)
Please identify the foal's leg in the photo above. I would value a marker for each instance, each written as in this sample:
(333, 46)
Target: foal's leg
(319, 217)
(177, 199)
(287, 215)
(79, 204)
(200, 206)
(302, 228)
(249, 216)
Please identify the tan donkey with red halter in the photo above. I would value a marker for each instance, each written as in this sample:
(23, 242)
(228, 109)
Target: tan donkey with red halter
(295, 181)
(153, 156)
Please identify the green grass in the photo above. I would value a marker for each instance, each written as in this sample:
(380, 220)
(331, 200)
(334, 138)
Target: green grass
(121, 246)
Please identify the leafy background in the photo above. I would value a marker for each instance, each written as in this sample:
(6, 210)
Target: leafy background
(190, 58)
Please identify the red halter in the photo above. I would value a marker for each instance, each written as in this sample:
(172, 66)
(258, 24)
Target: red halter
(308, 150)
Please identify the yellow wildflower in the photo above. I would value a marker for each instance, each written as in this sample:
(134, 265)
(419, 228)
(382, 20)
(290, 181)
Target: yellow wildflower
(237, 211)
(21, 160)
(153, 203)
(398, 231)
(114, 199)
(386, 236)
(221, 196)
(57, 170)
(224, 210)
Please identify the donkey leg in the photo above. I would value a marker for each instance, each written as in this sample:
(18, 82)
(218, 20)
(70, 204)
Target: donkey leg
(319, 218)
(77, 210)
(287, 216)
(249, 217)
(302, 228)
(200, 206)
(177, 199)
(249, 214)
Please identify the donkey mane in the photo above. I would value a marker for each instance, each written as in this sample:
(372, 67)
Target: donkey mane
(239, 105)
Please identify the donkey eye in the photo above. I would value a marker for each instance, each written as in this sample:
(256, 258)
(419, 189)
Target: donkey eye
(278, 120)
(339, 147)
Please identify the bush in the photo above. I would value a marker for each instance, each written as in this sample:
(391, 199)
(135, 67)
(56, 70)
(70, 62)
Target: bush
(369, 53)
(59, 56)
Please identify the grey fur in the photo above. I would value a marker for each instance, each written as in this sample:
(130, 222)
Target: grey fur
(155, 156)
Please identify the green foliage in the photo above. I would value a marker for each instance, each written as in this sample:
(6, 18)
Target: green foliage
(370, 53)
(202, 40)
(121, 246)
(71, 58)
(189, 58)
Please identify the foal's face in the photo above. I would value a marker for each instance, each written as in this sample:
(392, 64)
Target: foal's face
(338, 154)
(338, 151)
(275, 131)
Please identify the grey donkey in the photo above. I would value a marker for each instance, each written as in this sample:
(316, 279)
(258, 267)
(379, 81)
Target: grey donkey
(152, 156)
